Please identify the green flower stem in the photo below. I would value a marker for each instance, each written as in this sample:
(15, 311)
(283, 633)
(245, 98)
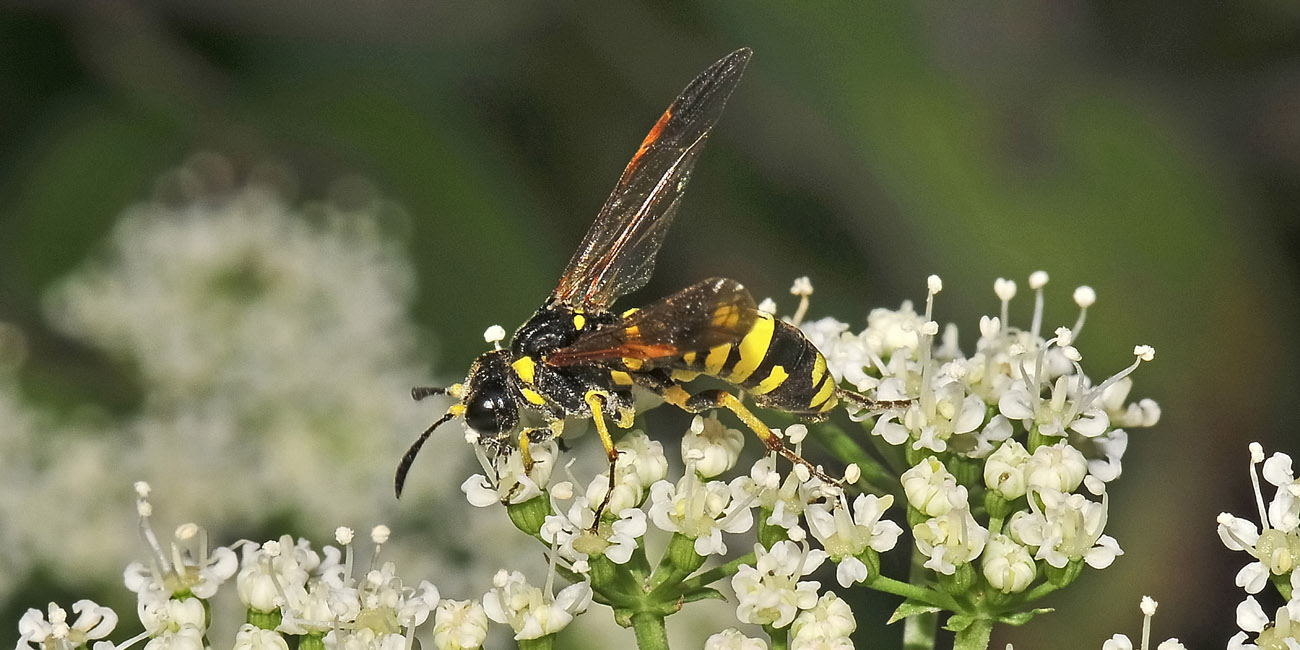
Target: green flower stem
(263, 620)
(543, 643)
(919, 631)
(995, 524)
(846, 448)
(679, 561)
(1039, 591)
(717, 573)
(975, 636)
(311, 642)
(913, 592)
(1283, 585)
(780, 637)
(651, 634)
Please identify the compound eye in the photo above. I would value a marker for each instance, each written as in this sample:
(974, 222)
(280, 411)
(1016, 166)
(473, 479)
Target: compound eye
(489, 411)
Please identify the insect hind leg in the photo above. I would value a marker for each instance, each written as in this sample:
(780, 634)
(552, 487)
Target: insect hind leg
(718, 398)
(875, 406)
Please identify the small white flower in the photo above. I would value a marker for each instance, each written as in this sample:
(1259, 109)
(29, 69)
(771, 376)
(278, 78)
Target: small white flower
(701, 511)
(732, 639)
(1066, 409)
(363, 639)
(949, 540)
(716, 447)
(188, 567)
(1004, 471)
(459, 625)
(513, 485)
(1057, 467)
(933, 420)
(251, 637)
(188, 637)
(529, 611)
(931, 489)
(273, 568)
(1117, 642)
(55, 633)
(1284, 509)
(827, 625)
(784, 497)
(845, 537)
(1008, 566)
(889, 331)
(386, 604)
(161, 616)
(770, 593)
(1066, 527)
(573, 538)
(644, 456)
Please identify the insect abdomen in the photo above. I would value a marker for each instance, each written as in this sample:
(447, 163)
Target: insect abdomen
(775, 363)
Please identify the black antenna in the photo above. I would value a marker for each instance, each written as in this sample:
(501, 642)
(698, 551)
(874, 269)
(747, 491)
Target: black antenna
(420, 392)
(405, 466)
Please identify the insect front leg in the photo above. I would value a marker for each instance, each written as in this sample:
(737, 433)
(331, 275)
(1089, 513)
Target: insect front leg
(537, 435)
(717, 398)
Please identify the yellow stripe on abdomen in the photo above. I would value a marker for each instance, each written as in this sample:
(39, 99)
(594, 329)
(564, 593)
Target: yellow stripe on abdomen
(753, 348)
(775, 378)
(716, 359)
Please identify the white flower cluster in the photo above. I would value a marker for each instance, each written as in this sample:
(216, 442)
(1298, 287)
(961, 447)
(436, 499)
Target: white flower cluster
(287, 588)
(1274, 546)
(1019, 410)
(269, 340)
(1000, 444)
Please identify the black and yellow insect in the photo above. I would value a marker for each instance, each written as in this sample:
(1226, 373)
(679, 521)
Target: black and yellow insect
(576, 358)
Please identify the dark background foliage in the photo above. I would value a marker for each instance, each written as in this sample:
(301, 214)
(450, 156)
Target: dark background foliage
(1147, 149)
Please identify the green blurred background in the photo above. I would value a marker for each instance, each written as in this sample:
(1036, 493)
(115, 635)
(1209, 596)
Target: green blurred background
(1150, 150)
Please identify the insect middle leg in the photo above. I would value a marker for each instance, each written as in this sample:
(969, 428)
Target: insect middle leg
(597, 401)
(718, 398)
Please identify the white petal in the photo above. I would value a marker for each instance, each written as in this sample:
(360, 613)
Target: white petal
(1250, 616)
(1277, 469)
(850, 570)
(1253, 577)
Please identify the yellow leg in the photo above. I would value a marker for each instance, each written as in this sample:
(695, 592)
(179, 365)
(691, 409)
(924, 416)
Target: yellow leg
(706, 400)
(525, 439)
(596, 401)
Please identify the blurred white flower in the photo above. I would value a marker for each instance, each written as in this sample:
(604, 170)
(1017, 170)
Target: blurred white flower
(270, 342)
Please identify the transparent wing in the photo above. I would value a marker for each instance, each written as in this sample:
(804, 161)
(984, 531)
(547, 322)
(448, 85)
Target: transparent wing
(618, 254)
(701, 316)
